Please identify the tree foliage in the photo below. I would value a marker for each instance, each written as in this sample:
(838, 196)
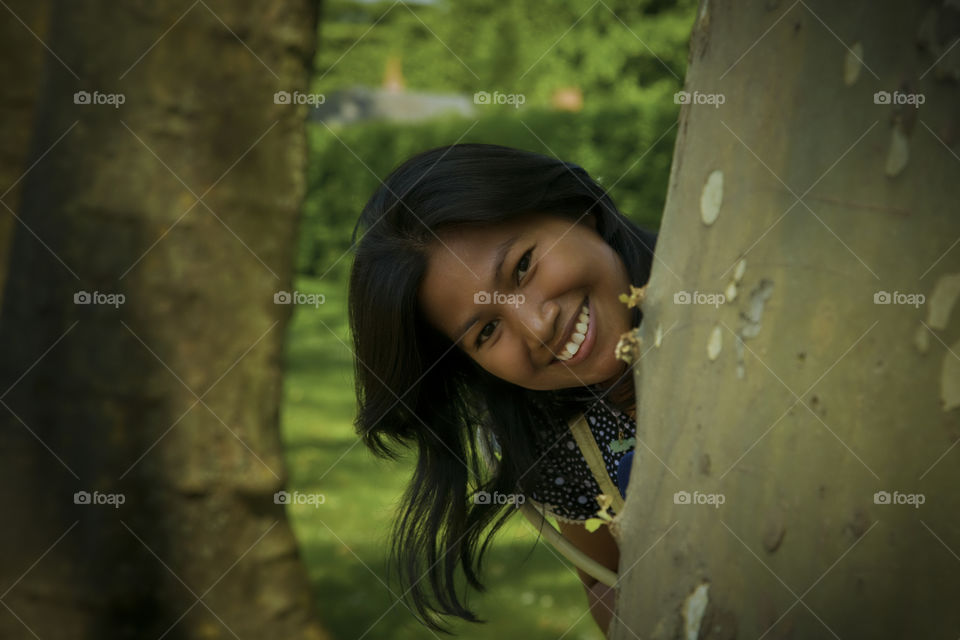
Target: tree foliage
(627, 59)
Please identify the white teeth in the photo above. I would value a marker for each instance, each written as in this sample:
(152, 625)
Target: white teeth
(579, 335)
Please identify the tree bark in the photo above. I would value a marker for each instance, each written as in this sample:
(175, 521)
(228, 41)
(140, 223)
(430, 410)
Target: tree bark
(783, 409)
(162, 406)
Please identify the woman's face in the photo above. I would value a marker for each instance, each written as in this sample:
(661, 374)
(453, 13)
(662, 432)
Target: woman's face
(521, 323)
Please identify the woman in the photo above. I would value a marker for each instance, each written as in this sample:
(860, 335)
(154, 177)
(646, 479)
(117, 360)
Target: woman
(484, 300)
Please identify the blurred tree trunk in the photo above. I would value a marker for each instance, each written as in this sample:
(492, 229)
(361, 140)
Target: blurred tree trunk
(20, 81)
(801, 398)
(164, 405)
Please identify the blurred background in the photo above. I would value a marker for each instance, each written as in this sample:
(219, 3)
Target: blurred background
(587, 81)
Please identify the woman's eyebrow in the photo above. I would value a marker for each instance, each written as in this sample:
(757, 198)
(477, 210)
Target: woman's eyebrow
(499, 257)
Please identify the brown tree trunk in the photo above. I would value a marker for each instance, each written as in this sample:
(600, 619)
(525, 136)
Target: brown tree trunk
(139, 436)
(811, 416)
(21, 31)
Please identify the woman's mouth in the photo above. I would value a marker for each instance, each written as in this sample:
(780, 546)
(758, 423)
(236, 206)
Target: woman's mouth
(581, 340)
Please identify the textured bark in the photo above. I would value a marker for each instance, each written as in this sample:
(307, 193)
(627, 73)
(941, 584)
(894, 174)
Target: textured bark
(20, 82)
(170, 399)
(834, 397)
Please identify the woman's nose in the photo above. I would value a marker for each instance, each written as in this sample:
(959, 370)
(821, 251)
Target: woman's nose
(536, 321)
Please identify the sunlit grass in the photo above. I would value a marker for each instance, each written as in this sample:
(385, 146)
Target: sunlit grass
(531, 592)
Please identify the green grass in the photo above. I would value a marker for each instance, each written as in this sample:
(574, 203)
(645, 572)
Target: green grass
(532, 593)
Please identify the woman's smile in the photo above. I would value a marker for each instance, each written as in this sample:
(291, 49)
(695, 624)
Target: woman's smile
(579, 339)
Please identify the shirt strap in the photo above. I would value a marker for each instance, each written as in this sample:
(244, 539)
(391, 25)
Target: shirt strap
(591, 453)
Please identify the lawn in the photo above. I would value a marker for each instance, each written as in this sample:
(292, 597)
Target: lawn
(532, 593)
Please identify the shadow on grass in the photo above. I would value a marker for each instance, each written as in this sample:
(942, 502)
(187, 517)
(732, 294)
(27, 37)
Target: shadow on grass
(526, 595)
(532, 593)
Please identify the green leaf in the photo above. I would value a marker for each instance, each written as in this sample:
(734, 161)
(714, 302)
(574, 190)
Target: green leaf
(592, 524)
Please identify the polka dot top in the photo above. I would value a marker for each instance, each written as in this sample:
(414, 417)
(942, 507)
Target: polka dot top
(566, 487)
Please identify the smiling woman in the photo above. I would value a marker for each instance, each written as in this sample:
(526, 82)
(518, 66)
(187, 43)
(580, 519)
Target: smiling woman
(484, 303)
(562, 271)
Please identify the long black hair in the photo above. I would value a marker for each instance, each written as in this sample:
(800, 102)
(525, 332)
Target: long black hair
(415, 388)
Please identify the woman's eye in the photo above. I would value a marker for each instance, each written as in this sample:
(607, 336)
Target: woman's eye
(484, 334)
(523, 265)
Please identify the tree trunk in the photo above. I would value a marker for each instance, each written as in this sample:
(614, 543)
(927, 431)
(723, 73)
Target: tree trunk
(811, 415)
(21, 81)
(139, 435)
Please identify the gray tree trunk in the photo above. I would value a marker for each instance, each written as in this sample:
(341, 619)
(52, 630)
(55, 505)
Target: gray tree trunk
(139, 438)
(812, 416)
